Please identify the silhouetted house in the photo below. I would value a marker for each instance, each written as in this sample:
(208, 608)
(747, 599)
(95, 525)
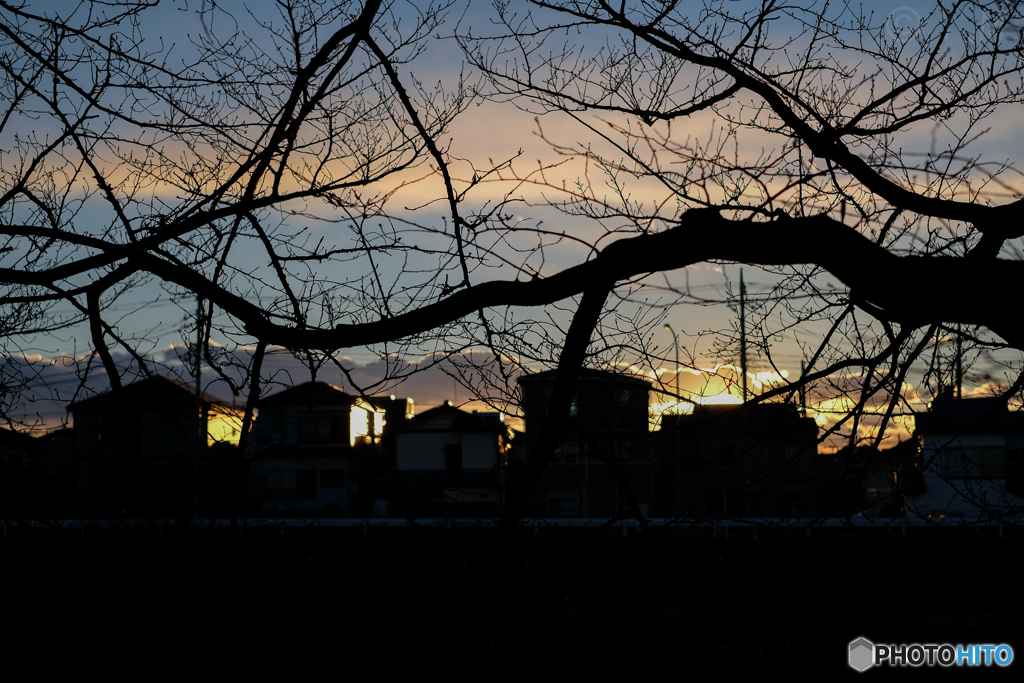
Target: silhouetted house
(895, 476)
(865, 479)
(145, 451)
(971, 453)
(448, 463)
(603, 464)
(734, 461)
(62, 485)
(306, 441)
(843, 481)
(397, 411)
(23, 477)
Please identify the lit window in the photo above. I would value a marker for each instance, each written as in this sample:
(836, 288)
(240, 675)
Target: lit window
(365, 424)
(359, 425)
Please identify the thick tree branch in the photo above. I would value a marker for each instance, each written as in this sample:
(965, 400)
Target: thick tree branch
(958, 289)
(574, 353)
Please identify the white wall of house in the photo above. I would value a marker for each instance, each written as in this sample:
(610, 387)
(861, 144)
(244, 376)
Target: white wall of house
(947, 495)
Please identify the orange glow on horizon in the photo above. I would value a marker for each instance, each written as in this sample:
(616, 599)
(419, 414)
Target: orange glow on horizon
(223, 425)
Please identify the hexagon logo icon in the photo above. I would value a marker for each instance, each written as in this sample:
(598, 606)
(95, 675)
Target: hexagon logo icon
(862, 654)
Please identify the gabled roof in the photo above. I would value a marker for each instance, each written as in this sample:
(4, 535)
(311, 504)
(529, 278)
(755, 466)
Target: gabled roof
(448, 418)
(588, 375)
(309, 394)
(157, 392)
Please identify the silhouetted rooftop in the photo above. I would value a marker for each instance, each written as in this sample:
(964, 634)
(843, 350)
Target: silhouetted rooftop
(861, 455)
(449, 418)
(308, 393)
(157, 391)
(969, 415)
(587, 375)
(758, 418)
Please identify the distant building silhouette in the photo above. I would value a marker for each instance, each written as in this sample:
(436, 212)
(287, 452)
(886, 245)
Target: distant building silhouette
(306, 442)
(734, 461)
(61, 485)
(144, 451)
(448, 463)
(27, 484)
(971, 452)
(605, 458)
(868, 480)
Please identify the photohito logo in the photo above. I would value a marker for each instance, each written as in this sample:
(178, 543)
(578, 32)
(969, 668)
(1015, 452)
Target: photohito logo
(863, 654)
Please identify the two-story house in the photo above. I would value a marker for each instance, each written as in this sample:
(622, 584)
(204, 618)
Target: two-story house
(448, 463)
(144, 450)
(603, 464)
(971, 454)
(736, 461)
(305, 441)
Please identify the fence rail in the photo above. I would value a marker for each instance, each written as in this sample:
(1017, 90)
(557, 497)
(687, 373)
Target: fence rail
(716, 528)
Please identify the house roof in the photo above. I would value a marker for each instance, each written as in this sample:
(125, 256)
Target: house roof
(309, 393)
(390, 402)
(588, 375)
(448, 418)
(969, 416)
(861, 456)
(774, 419)
(154, 392)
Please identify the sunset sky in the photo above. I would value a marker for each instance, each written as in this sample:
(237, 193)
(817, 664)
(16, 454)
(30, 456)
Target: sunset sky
(695, 302)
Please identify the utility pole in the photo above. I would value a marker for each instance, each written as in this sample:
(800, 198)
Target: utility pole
(959, 363)
(675, 343)
(198, 367)
(196, 466)
(676, 504)
(803, 389)
(743, 334)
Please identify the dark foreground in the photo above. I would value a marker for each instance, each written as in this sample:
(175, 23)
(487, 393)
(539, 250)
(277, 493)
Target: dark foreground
(432, 605)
